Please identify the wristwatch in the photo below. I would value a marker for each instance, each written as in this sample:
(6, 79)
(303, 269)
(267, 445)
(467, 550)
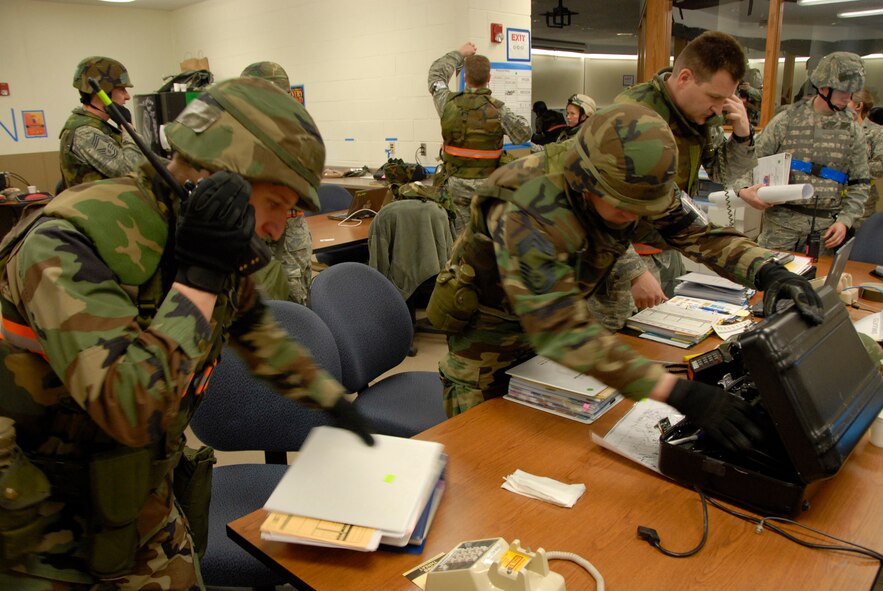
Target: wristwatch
(749, 138)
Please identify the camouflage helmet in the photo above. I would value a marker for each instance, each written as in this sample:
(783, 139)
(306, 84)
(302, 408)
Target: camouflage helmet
(248, 126)
(627, 155)
(584, 102)
(108, 72)
(840, 70)
(269, 71)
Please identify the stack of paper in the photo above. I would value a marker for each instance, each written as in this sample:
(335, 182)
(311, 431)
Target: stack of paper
(551, 387)
(713, 287)
(341, 493)
(684, 321)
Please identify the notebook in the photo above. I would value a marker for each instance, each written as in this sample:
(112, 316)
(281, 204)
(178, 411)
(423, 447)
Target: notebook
(365, 204)
(838, 264)
(336, 477)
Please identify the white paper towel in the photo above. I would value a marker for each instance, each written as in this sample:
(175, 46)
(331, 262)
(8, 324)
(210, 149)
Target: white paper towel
(545, 489)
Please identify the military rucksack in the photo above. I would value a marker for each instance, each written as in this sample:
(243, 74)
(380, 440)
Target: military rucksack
(398, 172)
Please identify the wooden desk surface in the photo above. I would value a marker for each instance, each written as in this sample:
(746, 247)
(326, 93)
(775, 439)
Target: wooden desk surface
(494, 439)
(328, 234)
(358, 183)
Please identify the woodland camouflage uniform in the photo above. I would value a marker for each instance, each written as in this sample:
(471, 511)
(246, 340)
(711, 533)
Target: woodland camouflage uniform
(486, 121)
(102, 356)
(539, 249)
(92, 148)
(833, 140)
(289, 274)
(704, 145)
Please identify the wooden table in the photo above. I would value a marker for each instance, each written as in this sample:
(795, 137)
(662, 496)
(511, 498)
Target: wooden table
(328, 234)
(494, 439)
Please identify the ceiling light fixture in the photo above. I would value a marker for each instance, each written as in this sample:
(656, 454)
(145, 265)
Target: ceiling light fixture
(592, 56)
(860, 13)
(118, 1)
(818, 2)
(559, 17)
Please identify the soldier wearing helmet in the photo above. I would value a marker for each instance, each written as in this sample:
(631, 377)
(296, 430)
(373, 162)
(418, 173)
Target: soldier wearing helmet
(473, 125)
(828, 150)
(861, 104)
(288, 275)
(117, 300)
(545, 231)
(92, 146)
(579, 108)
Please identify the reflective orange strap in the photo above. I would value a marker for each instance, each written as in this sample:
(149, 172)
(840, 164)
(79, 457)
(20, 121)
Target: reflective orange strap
(21, 336)
(467, 153)
(202, 381)
(295, 213)
(645, 249)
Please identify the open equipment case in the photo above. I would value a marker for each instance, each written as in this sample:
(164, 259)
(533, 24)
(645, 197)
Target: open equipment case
(814, 391)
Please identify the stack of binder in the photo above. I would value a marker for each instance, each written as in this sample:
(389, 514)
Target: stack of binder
(340, 493)
(684, 321)
(713, 287)
(548, 386)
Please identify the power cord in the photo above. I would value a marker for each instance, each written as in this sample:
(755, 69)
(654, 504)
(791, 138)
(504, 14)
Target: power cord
(652, 537)
(357, 216)
(588, 566)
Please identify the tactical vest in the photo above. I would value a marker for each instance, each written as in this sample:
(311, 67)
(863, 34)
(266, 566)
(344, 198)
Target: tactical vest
(29, 384)
(826, 140)
(73, 170)
(472, 130)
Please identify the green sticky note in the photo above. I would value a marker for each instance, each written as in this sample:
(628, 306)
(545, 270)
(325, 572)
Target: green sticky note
(389, 478)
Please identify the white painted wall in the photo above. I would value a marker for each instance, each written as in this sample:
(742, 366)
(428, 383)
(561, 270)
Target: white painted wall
(43, 43)
(557, 78)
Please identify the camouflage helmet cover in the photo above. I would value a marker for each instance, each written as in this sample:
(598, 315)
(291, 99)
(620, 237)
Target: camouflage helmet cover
(108, 72)
(626, 154)
(248, 126)
(584, 102)
(270, 71)
(840, 70)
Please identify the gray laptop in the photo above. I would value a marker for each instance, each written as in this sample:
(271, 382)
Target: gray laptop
(365, 204)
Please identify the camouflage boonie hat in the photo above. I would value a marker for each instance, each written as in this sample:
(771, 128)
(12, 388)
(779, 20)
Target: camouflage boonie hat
(626, 154)
(584, 102)
(269, 71)
(247, 126)
(840, 70)
(108, 72)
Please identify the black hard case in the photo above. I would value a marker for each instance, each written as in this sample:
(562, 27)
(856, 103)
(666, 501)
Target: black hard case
(819, 391)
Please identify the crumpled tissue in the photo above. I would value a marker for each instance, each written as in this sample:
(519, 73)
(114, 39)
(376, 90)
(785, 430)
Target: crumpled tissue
(544, 489)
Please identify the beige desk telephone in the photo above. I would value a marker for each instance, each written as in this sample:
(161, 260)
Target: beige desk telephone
(495, 565)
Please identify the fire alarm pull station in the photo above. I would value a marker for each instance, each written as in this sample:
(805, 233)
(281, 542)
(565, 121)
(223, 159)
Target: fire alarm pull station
(496, 33)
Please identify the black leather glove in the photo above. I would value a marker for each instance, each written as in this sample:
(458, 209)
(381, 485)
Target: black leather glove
(347, 417)
(722, 416)
(778, 283)
(214, 231)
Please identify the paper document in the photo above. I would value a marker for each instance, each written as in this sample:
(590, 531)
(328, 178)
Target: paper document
(871, 325)
(774, 195)
(773, 170)
(635, 436)
(282, 527)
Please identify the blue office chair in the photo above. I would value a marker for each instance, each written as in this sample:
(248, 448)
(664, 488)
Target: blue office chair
(335, 198)
(868, 245)
(239, 413)
(373, 330)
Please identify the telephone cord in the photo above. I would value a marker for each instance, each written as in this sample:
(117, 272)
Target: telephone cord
(590, 568)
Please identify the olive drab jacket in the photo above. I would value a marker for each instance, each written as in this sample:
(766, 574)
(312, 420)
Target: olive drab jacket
(92, 149)
(100, 353)
(539, 250)
(472, 133)
(724, 159)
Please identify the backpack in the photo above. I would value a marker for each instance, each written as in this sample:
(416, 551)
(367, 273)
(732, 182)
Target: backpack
(196, 80)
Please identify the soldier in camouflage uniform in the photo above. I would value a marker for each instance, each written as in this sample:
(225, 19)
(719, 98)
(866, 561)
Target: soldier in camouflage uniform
(92, 146)
(579, 108)
(294, 251)
(862, 102)
(828, 150)
(695, 98)
(116, 303)
(473, 124)
(540, 243)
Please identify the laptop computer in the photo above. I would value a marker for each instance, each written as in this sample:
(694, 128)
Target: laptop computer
(839, 263)
(365, 204)
(336, 477)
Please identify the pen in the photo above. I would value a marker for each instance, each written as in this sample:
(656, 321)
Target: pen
(683, 440)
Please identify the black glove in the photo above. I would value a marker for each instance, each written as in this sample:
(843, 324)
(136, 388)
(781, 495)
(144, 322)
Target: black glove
(347, 417)
(722, 416)
(778, 283)
(214, 232)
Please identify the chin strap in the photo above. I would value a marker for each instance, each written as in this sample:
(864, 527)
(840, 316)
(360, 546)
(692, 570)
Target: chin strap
(827, 99)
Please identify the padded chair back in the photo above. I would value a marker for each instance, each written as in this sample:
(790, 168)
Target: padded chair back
(868, 246)
(333, 198)
(240, 412)
(368, 318)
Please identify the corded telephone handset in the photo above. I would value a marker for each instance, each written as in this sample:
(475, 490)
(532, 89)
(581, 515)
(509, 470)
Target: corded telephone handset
(496, 565)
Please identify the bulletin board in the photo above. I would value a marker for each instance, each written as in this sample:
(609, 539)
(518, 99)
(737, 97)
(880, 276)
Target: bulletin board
(511, 83)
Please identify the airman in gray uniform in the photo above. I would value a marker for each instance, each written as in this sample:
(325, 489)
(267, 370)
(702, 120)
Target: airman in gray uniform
(828, 150)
